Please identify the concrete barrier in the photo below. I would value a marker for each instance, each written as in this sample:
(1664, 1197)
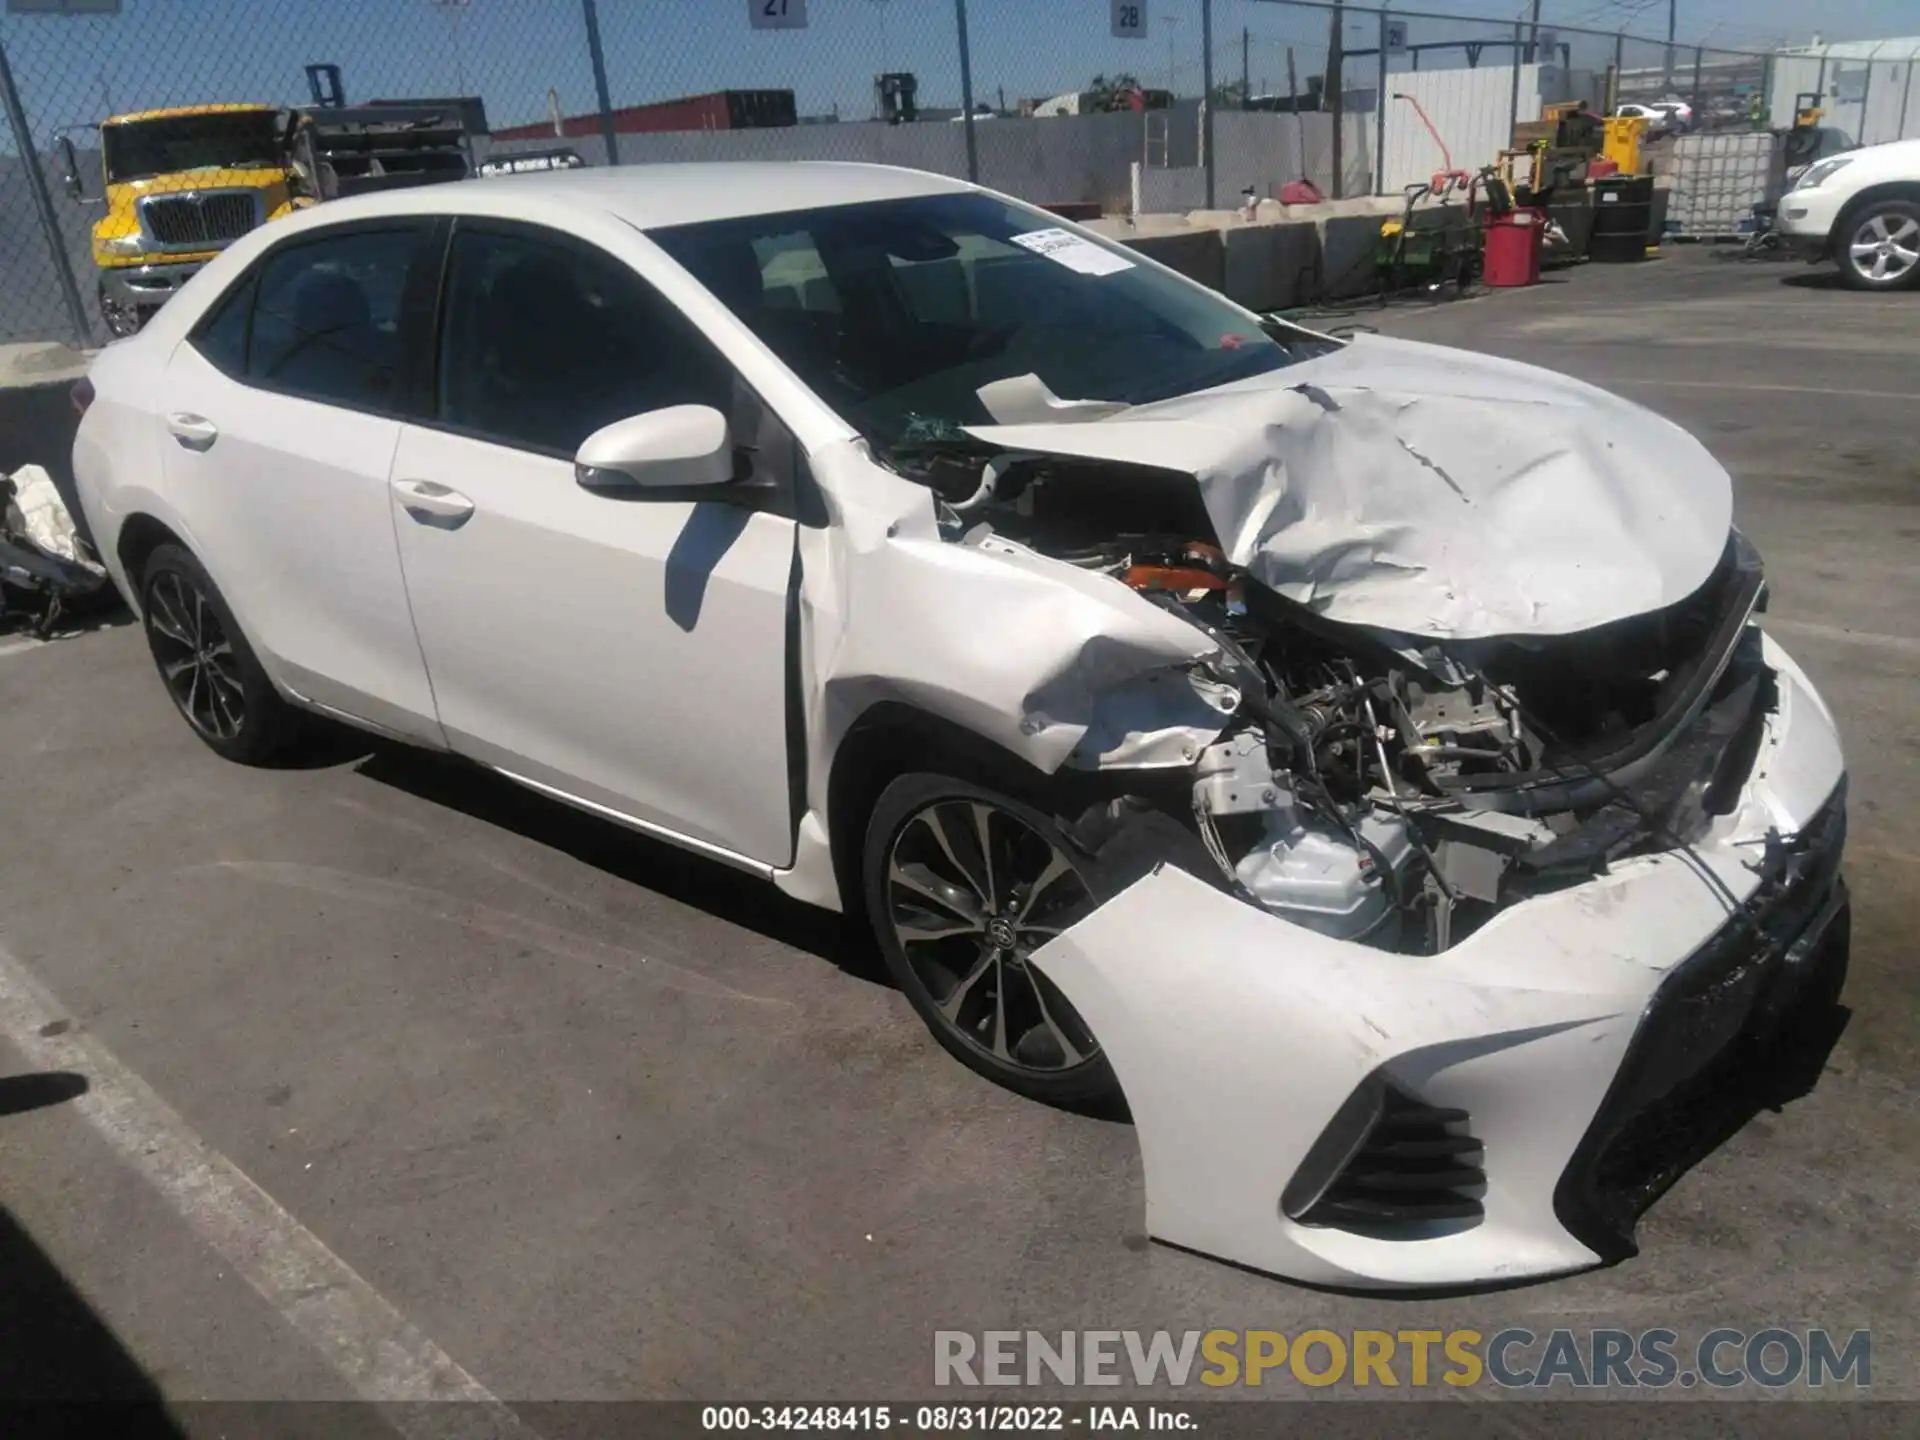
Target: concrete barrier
(1271, 266)
(1195, 253)
(1349, 247)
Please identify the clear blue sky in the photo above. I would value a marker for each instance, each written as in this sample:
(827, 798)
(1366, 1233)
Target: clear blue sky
(511, 51)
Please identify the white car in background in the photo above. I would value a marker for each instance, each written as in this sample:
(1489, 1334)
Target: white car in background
(1663, 117)
(1364, 759)
(1862, 211)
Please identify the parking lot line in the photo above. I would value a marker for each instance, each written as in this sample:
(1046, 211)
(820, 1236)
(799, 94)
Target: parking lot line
(1664, 383)
(1842, 636)
(372, 1346)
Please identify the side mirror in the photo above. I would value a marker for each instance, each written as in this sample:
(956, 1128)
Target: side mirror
(70, 169)
(674, 448)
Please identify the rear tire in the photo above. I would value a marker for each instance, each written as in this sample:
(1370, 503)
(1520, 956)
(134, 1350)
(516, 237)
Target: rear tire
(1878, 246)
(210, 672)
(962, 883)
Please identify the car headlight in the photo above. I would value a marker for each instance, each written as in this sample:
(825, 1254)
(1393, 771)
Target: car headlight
(1817, 175)
(123, 245)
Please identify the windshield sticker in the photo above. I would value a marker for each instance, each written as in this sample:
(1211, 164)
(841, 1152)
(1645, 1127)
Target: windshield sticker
(1065, 248)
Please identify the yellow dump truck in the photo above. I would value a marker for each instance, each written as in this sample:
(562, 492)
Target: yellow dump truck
(180, 185)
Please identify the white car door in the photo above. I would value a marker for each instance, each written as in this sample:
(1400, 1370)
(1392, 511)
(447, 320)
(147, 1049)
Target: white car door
(628, 650)
(282, 409)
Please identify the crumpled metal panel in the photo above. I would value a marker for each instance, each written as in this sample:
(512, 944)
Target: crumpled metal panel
(1431, 491)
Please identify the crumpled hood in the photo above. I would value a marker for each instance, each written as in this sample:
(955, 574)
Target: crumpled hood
(1432, 491)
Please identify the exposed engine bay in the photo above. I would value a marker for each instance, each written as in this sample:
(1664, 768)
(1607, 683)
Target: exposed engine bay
(1386, 788)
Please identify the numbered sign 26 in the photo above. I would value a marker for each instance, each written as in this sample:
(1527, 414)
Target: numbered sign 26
(777, 14)
(1130, 19)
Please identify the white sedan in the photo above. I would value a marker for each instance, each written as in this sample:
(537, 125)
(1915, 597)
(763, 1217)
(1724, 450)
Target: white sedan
(1363, 758)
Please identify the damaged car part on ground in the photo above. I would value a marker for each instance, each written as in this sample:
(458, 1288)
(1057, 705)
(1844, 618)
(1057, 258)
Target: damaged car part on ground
(46, 569)
(1364, 759)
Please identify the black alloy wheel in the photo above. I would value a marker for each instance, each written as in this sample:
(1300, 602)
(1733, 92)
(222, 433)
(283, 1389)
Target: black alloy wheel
(963, 885)
(210, 673)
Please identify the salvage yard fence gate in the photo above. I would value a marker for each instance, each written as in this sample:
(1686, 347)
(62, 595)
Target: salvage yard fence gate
(1057, 101)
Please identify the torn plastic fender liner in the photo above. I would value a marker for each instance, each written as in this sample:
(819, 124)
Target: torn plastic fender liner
(1044, 659)
(1431, 491)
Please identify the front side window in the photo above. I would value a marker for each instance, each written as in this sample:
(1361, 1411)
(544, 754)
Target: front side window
(326, 324)
(896, 312)
(543, 343)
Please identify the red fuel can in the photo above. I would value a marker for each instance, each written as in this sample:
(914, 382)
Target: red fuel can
(1511, 252)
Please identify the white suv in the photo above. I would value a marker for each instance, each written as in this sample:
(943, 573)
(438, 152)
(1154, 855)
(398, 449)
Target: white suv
(1861, 209)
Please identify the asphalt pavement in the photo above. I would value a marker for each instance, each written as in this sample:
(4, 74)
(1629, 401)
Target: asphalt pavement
(391, 1068)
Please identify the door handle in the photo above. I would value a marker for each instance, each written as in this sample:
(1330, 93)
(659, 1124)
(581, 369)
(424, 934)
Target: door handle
(195, 432)
(432, 503)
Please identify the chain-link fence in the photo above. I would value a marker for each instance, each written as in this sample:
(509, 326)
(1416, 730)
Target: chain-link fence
(1163, 104)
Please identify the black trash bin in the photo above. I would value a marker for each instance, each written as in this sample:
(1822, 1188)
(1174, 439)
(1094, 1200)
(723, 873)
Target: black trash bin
(1622, 219)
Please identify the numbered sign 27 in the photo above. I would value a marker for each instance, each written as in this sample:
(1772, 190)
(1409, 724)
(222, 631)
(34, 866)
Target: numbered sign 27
(1130, 19)
(777, 14)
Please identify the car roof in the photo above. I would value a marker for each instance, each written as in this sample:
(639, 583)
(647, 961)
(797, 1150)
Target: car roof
(649, 196)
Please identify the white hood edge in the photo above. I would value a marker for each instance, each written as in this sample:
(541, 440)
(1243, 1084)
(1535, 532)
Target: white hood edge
(1432, 491)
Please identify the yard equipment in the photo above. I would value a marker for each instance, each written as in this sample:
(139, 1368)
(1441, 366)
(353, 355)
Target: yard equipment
(1428, 249)
(1621, 142)
(1447, 178)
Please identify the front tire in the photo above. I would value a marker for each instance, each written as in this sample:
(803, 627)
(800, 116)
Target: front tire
(962, 884)
(210, 672)
(1879, 247)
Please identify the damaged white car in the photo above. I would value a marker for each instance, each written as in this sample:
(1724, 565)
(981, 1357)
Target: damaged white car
(1364, 758)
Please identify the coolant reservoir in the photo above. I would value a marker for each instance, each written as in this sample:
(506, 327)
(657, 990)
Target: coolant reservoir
(1306, 871)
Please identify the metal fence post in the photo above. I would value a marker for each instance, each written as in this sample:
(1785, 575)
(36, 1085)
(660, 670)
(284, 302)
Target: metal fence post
(599, 58)
(1333, 94)
(1513, 104)
(1380, 113)
(43, 203)
(1619, 63)
(1699, 52)
(966, 90)
(1206, 94)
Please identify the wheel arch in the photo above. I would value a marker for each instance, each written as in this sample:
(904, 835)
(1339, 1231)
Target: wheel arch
(1908, 190)
(140, 535)
(891, 739)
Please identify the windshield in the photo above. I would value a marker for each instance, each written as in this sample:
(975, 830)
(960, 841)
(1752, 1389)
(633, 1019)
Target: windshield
(896, 312)
(139, 149)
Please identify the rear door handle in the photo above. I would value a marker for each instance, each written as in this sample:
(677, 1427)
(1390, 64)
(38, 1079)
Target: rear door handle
(196, 432)
(432, 503)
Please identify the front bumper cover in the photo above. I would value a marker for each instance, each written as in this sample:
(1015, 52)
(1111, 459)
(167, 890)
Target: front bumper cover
(1553, 1033)
(146, 286)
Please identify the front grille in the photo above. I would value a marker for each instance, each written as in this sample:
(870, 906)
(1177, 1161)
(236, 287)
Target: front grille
(1417, 1164)
(1697, 1067)
(212, 218)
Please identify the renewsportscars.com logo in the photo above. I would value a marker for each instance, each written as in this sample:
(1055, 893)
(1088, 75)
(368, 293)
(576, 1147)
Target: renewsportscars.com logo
(1513, 1358)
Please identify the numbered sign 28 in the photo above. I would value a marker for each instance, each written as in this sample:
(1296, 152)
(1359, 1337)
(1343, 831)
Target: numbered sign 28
(777, 14)
(1130, 19)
